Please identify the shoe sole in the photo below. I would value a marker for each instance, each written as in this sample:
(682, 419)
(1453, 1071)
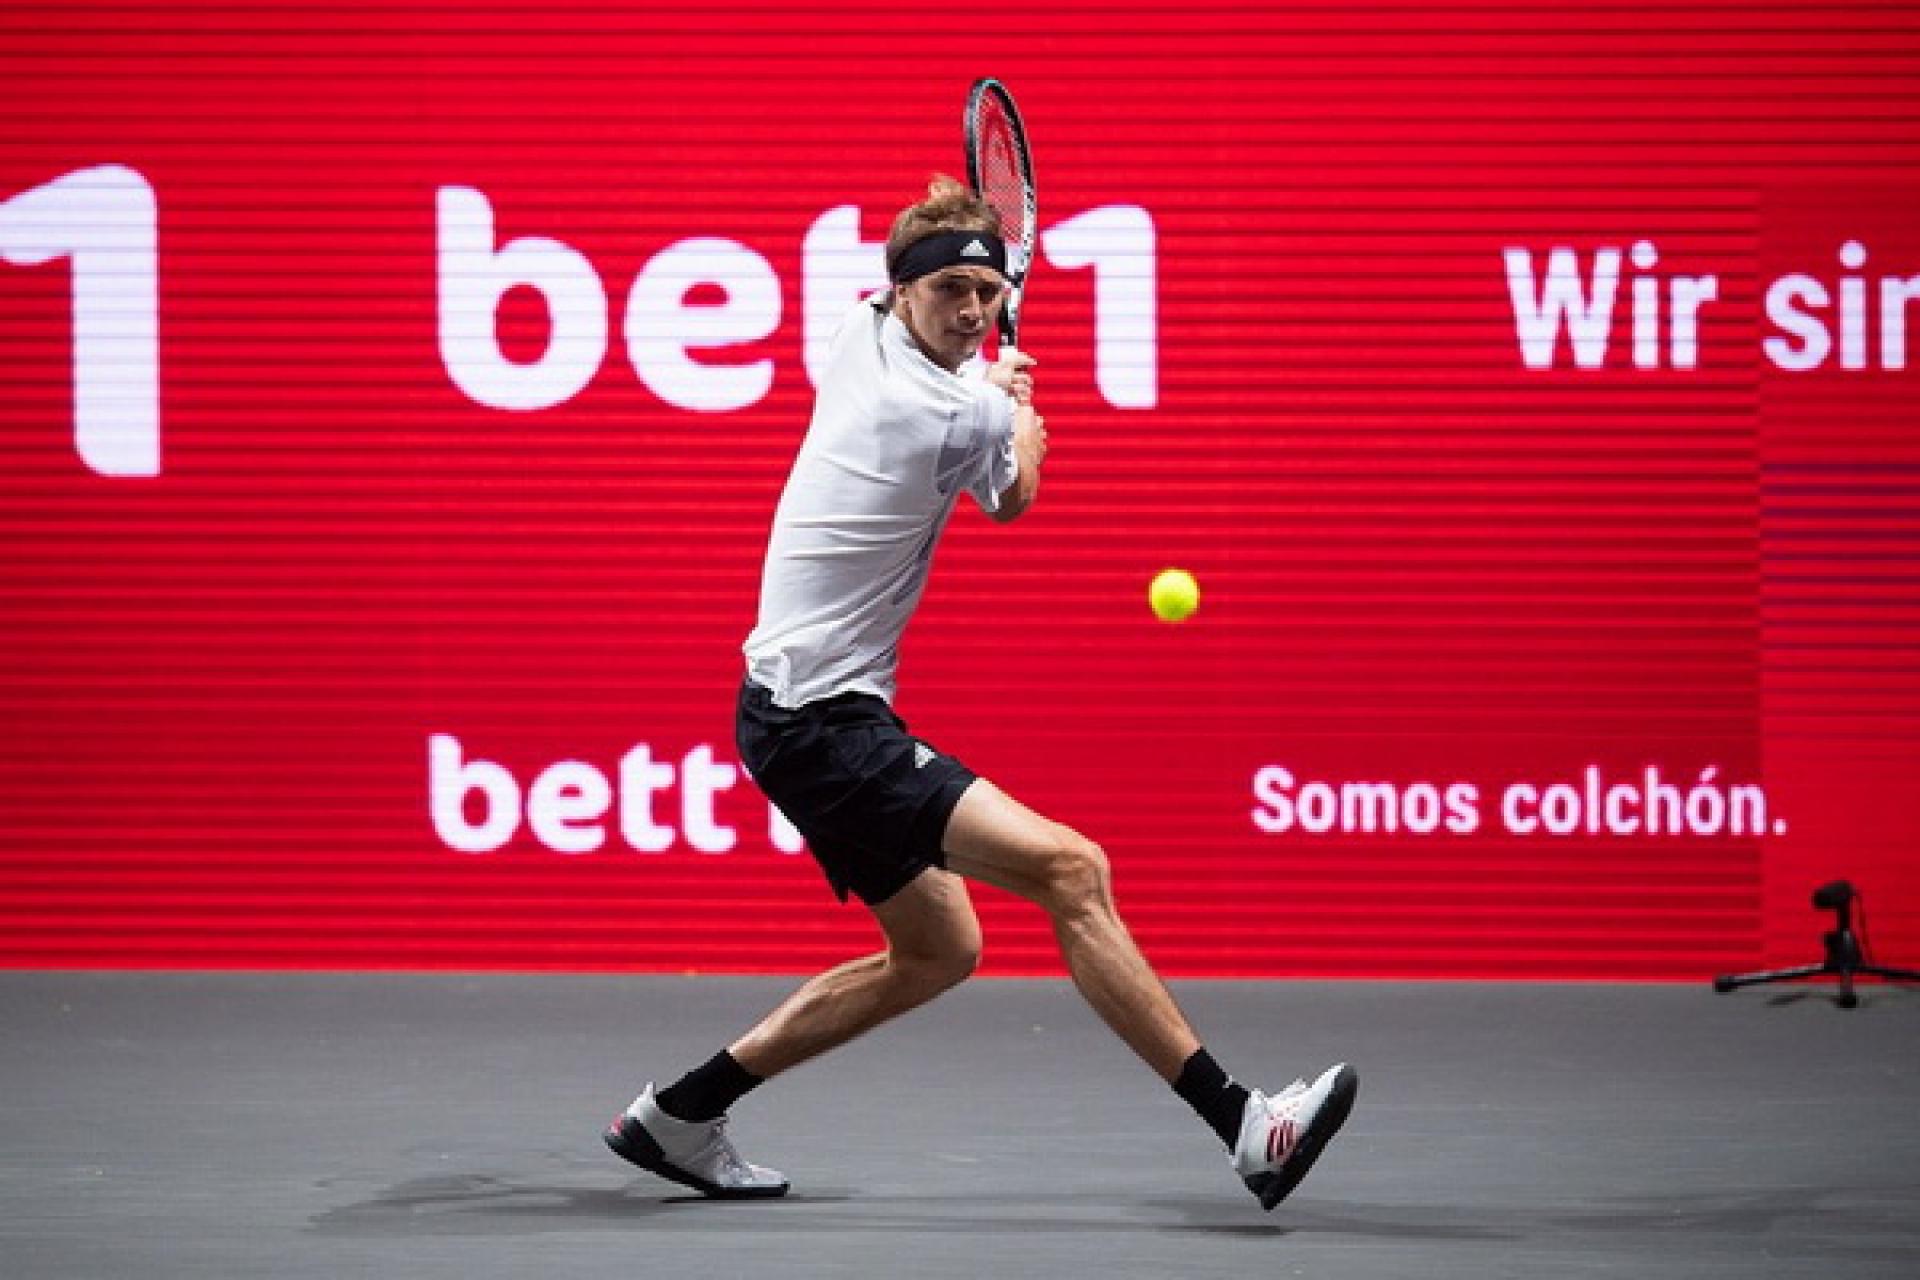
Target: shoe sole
(1272, 1188)
(632, 1143)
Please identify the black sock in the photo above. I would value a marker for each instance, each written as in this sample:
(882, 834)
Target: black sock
(706, 1092)
(1213, 1094)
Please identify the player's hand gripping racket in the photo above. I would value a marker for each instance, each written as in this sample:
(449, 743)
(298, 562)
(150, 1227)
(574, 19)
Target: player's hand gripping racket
(1000, 167)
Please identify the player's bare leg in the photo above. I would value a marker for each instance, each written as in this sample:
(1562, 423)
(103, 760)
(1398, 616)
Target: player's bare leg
(933, 943)
(994, 838)
(1274, 1140)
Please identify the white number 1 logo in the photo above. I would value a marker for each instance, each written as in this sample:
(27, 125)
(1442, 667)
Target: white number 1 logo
(106, 219)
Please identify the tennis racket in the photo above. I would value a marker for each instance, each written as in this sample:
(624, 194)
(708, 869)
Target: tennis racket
(1000, 168)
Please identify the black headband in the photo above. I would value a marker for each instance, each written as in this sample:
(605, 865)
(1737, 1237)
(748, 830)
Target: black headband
(950, 249)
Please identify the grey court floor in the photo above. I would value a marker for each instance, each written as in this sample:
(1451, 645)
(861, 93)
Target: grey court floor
(274, 1125)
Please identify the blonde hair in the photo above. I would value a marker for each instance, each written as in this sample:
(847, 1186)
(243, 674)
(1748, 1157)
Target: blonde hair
(950, 206)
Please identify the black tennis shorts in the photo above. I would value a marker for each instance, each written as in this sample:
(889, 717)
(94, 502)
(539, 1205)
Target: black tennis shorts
(871, 800)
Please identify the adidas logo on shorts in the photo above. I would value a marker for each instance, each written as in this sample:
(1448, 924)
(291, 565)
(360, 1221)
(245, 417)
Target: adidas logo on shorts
(923, 755)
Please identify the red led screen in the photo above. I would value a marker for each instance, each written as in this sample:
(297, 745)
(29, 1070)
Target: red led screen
(394, 398)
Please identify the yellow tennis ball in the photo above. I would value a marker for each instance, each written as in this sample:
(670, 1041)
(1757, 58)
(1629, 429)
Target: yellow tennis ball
(1174, 595)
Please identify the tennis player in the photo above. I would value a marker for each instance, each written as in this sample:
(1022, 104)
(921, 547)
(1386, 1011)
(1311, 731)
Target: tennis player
(908, 417)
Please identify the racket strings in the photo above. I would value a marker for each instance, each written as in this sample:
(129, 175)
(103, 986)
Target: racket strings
(1001, 180)
(1002, 172)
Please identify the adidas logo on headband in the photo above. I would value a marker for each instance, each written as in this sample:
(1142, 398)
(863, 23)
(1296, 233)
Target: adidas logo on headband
(976, 250)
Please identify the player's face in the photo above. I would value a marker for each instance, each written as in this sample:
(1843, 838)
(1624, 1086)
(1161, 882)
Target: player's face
(950, 311)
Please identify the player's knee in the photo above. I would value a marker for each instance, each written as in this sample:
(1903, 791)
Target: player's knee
(1080, 878)
(960, 957)
(959, 963)
(926, 971)
(924, 977)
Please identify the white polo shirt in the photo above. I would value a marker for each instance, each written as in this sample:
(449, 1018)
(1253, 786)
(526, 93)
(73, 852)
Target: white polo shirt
(894, 440)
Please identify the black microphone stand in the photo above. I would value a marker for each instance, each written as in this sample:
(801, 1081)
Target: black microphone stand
(1844, 957)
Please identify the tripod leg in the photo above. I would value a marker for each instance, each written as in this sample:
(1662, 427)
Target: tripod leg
(1845, 998)
(1728, 983)
(1892, 975)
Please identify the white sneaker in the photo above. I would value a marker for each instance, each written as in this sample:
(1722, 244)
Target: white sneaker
(1281, 1136)
(695, 1154)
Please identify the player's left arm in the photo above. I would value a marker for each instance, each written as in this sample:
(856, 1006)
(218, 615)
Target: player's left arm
(1013, 375)
(1029, 451)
